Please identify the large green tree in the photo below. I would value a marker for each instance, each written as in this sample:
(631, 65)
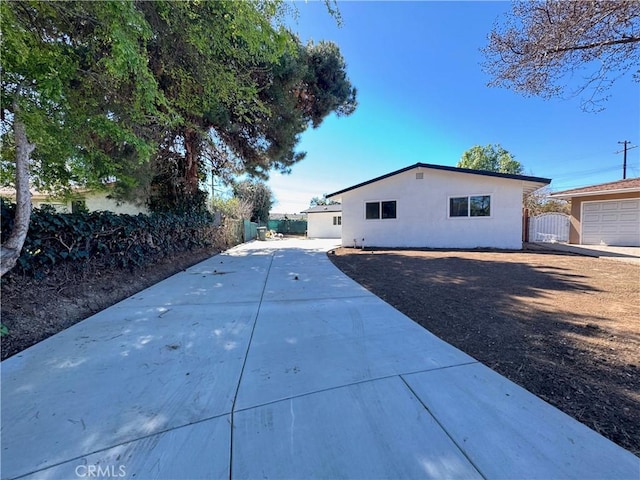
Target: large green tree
(287, 94)
(155, 93)
(244, 89)
(541, 47)
(204, 56)
(492, 158)
(76, 98)
(299, 91)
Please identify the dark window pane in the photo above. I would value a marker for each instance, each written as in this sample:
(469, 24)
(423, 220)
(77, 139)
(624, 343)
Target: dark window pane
(459, 207)
(480, 206)
(373, 210)
(339, 220)
(389, 209)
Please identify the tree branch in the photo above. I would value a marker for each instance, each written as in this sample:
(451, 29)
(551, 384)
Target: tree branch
(607, 43)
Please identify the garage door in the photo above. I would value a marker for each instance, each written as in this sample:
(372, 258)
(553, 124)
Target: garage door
(611, 223)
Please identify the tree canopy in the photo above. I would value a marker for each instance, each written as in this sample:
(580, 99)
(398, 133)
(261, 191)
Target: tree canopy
(492, 158)
(74, 74)
(256, 194)
(76, 99)
(155, 94)
(540, 45)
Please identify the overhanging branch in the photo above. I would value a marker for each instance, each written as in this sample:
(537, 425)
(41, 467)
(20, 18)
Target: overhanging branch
(607, 43)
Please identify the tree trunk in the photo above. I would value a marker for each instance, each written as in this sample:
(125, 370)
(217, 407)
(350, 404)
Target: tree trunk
(10, 250)
(192, 153)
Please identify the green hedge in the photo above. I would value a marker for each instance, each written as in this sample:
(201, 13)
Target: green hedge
(104, 238)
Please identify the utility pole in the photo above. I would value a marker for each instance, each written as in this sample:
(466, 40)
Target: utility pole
(624, 161)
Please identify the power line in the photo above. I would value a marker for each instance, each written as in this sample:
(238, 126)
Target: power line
(583, 173)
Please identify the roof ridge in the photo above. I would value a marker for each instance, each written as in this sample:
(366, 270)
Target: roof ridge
(471, 171)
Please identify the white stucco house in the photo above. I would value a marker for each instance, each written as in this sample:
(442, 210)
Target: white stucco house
(324, 221)
(82, 197)
(436, 206)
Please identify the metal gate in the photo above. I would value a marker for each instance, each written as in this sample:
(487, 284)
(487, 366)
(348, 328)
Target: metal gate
(549, 227)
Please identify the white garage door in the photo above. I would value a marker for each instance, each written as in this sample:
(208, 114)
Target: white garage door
(611, 223)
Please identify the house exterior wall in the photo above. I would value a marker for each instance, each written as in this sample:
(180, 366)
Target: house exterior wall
(60, 206)
(98, 201)
(94, 201)
(422, 216)
(320, 225)
(576, 211)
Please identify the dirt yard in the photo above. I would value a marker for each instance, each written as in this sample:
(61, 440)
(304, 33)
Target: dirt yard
(565, 327)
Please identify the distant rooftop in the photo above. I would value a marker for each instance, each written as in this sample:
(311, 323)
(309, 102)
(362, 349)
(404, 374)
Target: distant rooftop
(324, 208)
(630, 184)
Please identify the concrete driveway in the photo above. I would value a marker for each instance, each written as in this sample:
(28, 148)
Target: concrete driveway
(622, 254)
(267, 362)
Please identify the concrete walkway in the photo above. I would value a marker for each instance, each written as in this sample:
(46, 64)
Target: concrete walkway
(622, 254)
(268, 362)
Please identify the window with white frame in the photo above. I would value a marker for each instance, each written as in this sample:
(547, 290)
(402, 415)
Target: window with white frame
(337, 220)
(378, 210)
(470, 206)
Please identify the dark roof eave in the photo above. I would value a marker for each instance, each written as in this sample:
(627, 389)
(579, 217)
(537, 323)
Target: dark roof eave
(525, 178)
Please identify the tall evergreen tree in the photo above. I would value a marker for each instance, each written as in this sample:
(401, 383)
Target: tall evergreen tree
(154, 93)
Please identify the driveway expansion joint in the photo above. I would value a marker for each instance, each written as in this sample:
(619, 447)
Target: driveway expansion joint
(444, 429)
(349, 384)
(244, 363)
(119, 444)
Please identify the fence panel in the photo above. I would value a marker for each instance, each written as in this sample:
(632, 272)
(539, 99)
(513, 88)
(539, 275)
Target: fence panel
(250, 230)
(549, 227)
(292, 227)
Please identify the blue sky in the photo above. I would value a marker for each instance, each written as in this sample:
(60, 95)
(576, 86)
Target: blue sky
(423, 98)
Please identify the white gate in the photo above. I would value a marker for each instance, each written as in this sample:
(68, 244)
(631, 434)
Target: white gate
(549, 227)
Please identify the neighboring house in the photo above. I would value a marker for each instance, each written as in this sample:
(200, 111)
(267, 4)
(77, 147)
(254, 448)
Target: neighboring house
(324, 221)
(81, 199)
(436, 206)
(605, 214)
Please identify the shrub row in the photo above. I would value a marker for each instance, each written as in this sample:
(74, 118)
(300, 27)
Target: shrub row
(105, 239)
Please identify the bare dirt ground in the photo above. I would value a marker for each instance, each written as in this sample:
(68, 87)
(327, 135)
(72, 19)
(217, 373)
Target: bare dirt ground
(565, 327)
(33, 310)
